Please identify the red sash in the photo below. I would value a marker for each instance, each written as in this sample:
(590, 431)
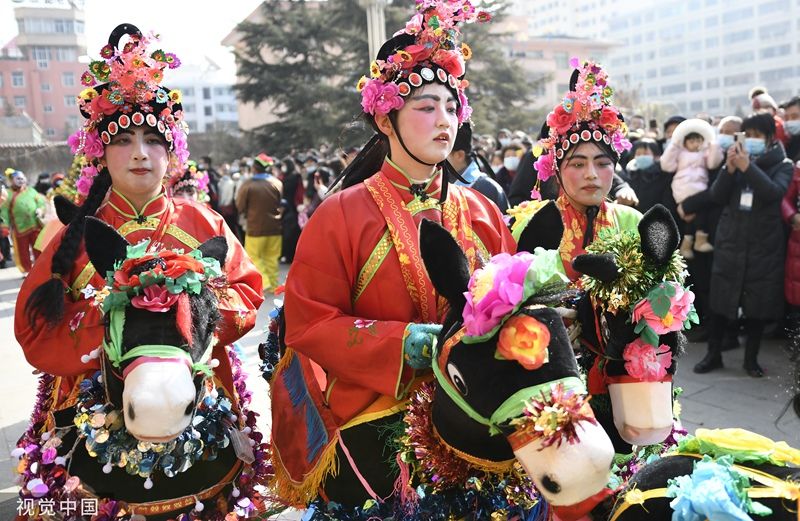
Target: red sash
(405, 238)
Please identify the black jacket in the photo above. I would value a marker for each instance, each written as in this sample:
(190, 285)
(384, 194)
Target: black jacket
(749, 246)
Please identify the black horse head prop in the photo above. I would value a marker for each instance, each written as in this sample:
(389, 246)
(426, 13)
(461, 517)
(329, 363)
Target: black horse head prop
(505, 364)
(160, 321)
(632, 320)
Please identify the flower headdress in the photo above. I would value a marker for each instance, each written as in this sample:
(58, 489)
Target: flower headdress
(190, 178)
(584, 115)
(426, 51)
(124, 89)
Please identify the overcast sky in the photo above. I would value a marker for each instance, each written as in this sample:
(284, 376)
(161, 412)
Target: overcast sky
(191, 29)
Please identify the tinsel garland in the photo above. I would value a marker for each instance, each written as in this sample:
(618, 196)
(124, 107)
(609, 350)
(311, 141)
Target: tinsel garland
(44, 476)
(637, 274)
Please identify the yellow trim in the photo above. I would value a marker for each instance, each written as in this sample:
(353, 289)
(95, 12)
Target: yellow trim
(482, 250)
(374, 262)
(182, 236)
(133, 226)
(638, 497)
(415, 205)
(301, 493)
(82, 279)
(493, 467)
(329, 389)
(372, 416)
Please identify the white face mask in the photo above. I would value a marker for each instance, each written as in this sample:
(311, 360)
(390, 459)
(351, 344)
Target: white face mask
(496, 168)
(792, 127)
(511, 163)
(504, 141)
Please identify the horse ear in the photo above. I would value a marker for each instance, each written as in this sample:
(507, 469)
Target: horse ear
(104, 245)
(544, 230)
(600, 266)
(448, 267)
(216, 248)
(65, 209)
(659, 235)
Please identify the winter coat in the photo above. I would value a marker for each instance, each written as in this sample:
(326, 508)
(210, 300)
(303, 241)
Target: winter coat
(749, 247)
(652, 186)
(789, 208)
(690, 168)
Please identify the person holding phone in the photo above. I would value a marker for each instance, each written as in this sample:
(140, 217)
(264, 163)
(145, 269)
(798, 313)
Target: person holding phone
(747, 270)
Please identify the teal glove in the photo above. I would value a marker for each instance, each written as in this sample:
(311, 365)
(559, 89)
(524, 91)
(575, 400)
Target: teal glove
(417, 344)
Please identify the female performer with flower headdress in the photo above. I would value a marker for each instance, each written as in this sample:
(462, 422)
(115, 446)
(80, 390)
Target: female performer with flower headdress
(133, 134)
(358, 341)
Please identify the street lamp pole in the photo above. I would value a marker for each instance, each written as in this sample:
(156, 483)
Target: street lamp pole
(376, 24)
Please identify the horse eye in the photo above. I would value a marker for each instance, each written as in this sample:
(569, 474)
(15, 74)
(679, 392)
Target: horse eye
(457, 379)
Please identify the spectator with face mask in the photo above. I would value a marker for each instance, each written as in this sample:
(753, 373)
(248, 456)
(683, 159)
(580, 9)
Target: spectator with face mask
(512, 153)
(503, 138)
(468, 165)
(791, 124)
(644, 175)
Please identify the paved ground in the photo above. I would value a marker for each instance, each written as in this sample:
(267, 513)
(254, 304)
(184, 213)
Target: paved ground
(725, 398)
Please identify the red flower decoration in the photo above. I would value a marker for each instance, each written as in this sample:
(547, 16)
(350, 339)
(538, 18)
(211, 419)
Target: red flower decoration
(560, 119)
(155, 298)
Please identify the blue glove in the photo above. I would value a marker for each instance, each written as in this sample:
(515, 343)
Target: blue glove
(417, 344)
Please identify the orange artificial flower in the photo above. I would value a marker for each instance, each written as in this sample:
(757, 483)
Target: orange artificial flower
(524, 339)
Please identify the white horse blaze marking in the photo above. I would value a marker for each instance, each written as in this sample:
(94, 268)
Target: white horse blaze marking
(159, 393)
(642, 411)
(581, 470)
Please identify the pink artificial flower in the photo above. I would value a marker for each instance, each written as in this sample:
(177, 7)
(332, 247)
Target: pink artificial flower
(574, 62)
(179, 145)
(156, 299)
(679, 309)
(74, 141)
(414, 25)
(75, 323)
(83, 185)
(620, 142)
(464, 111)
(561, 120)
(645, 362)
(49, 455)
(494, 291)
(545, 166)
(378, 97)
(89, 171)
(93, 148)
(536, 195)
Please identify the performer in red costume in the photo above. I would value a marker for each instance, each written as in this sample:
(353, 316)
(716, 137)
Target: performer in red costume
(133, 134)
(360, 309)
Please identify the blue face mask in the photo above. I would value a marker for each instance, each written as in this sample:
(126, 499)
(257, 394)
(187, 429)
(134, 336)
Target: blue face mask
(725, 141)
(644, 162)
(755, 146)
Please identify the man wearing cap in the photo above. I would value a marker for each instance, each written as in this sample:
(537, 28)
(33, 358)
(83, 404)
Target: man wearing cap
(21, 215)
(259, 202)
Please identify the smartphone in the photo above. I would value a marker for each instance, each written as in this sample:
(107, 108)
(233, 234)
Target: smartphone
(740, 137)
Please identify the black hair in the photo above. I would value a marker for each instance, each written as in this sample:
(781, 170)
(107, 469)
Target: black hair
(47, 300)
(207, 160)
(646, 143)
(673, 120)
(763, 123)
(259, 168)
(692, 135)
(793, 102)
(289, 164)
(464, 139)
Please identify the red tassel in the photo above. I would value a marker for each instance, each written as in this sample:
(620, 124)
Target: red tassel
(402, 486)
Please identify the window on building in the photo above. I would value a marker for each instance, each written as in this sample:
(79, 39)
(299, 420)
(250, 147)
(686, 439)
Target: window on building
(17, 79)
(712, 21)
(64, 26)
(671, 70)
(652, 73)
(79, 26)
(48, 107)
(41, 55)
(68, 79)
(232, 108)
(712, 83)
(188, 91)
(744, 78)
(772, 7)
(777, 74)
(192, 126)
(50, 132)
(72, 122)
(1, 80)
(739, 58)
(69, 101)
(696, 85)
(652, 91)
(738, 36)
(45, 87)
(774, 31)
(740, 100)
(676, 88)
(20, 101)
(712, 42)
(671, 50)
(219, 107)
(188, 107)
(696, 106)
(208, 111)
(712, 103)
(712, 63)
(66, 54)
(561, 59)
(737, 15)
(778, 50)
(220, 91)
(206, 92)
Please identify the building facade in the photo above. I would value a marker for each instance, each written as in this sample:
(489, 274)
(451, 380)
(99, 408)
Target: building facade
(694, 56)
(40, 69)
(209, 101)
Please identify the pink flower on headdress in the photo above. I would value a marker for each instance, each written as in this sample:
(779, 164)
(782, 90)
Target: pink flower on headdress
(645, 362)
(156, 299)
(179, 145)
(419, 52)
(414, 25)
(620, 142)
(609, 118)
(560, 119)
(494, 291)
(680, 306)
(74, 141)
(464, 111)
(93, 147)
(545, 166)
(83, 185)
(378, 97)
